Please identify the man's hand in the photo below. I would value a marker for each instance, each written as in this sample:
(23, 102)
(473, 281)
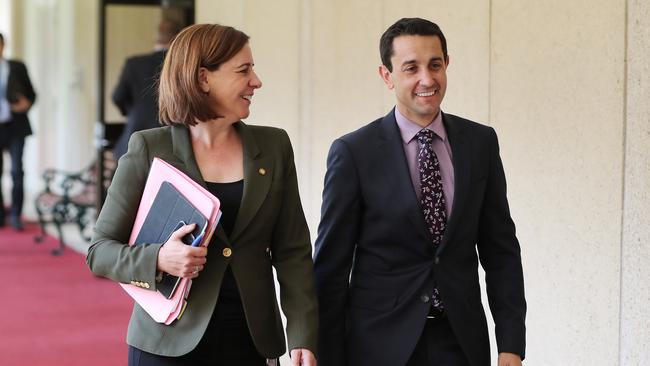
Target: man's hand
(21, 105)
(179, 259)
(302, 357)
(509, 359)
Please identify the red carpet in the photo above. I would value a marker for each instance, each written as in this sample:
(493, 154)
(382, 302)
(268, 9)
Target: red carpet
(53, 310)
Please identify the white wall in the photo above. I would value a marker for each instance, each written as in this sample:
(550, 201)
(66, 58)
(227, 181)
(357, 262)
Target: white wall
(5, 23)
(557, 102)
(57, 40)
(6, 11)
(635, 287)
(551, 78)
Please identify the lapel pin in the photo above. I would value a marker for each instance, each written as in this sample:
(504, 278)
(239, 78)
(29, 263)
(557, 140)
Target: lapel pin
(262, 171)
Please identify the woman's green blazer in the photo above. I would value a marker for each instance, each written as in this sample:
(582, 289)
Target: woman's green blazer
(270, 232)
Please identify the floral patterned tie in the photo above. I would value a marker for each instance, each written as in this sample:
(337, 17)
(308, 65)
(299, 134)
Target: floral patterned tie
(432, 199)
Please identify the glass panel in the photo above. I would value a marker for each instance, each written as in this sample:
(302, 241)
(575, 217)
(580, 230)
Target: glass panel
(130, 30)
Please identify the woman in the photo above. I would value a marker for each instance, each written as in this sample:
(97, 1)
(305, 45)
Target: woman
(232, 318)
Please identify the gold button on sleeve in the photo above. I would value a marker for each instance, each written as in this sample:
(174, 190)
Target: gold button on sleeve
(262, 171)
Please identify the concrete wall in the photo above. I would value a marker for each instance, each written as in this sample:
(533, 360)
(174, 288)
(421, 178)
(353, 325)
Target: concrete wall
(557, 87)
(565, 83)
(551, 78)
(635, 286)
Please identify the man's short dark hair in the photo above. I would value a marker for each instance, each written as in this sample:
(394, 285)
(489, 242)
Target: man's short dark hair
(2, 39)
(408, 27)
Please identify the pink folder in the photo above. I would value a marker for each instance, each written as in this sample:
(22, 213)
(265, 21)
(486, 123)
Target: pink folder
(161, 309)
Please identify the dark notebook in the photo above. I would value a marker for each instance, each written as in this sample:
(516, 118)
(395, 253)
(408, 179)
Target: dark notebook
(169, 211)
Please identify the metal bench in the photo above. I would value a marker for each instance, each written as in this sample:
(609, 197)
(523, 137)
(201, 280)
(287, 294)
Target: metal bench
(68, 197)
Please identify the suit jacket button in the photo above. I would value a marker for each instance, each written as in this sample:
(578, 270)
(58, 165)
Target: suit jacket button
(262, 171)
(436, 260)
(146, 285)
(227, 252)
(424, 298)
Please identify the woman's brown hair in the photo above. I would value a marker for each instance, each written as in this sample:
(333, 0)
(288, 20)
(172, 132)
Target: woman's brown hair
(180, 98)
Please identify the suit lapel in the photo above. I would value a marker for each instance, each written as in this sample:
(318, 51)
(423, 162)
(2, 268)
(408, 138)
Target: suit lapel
(460, 148)
(10, 87)
(391, 150)
(258, 173)
(182, 146)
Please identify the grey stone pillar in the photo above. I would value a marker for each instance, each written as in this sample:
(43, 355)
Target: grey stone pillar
(635, 276)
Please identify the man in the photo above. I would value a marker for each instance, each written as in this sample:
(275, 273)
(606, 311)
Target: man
(136, 93)
(408, 201)
(16, 98)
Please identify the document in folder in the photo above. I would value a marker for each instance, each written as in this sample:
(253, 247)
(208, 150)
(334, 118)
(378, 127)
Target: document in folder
(160, 308)
(170, 209)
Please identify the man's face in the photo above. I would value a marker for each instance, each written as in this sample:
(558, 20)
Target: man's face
(419, 76)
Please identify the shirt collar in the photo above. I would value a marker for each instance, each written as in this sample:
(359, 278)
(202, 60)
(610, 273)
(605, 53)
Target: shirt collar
(408, 129)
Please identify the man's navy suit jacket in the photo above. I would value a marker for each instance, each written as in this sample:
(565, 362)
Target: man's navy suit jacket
(375, 265)
(136, 96)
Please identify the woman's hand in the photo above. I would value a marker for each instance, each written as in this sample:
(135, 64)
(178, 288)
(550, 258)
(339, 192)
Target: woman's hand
(302, 357)
(179, 259)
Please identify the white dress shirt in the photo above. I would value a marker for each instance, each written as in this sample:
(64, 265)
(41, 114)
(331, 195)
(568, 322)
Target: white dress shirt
(5, 108)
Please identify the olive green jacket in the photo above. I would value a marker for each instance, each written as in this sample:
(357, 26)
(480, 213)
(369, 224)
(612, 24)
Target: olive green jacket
(270, 231)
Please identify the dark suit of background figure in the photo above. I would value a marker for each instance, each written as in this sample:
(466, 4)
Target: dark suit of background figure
(136, 96)
(13, 133)
(373, 233)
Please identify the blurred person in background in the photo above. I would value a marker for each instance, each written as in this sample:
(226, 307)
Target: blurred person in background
(135, 94)
(16, 98)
